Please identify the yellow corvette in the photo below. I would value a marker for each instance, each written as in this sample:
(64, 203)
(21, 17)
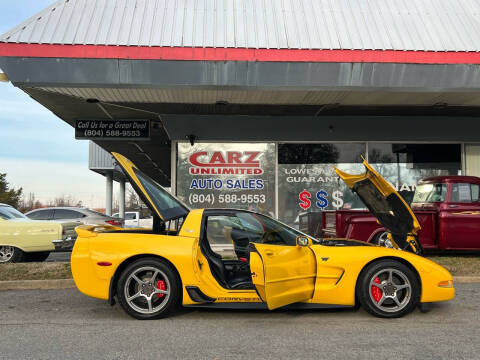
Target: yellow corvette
(235, 258)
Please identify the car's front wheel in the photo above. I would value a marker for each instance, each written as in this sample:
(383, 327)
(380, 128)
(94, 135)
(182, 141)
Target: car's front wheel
(388, 289)
(149, 288)
(11, 254)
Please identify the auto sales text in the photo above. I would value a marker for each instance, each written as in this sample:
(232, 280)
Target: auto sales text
(220, 184)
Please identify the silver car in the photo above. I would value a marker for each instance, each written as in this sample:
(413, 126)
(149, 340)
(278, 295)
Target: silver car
(83, 215)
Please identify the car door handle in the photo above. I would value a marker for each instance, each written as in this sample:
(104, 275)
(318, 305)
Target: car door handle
(269, 253)
(453, 206)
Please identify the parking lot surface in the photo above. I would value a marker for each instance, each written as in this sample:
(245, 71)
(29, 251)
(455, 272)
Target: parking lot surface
(64, 324)
(59, 256)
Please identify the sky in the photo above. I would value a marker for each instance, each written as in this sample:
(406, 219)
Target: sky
(38, 150)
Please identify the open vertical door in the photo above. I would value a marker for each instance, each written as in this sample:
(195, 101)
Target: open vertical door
(283, 274)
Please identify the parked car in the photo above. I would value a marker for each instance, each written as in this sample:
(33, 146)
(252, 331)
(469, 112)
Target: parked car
(23, 239)
(152, 272)
(447, 208)
(83, 215)
(136, 219)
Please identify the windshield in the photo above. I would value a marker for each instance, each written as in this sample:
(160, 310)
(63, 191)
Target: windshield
(428, 193)
(8, 213)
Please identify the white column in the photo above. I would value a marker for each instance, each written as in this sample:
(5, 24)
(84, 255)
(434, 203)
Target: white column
(109, 198)
(121, 202)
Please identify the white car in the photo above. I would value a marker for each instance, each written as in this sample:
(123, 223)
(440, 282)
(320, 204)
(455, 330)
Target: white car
(135, 219)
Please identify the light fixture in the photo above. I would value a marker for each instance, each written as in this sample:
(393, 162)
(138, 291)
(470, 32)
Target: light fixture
(191, 138)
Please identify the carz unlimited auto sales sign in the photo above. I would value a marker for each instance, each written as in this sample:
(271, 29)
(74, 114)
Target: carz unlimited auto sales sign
(236, 175)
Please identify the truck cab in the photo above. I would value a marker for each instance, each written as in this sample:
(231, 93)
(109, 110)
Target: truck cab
(450, 208)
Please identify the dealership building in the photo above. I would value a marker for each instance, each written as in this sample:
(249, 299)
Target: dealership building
(251, 104)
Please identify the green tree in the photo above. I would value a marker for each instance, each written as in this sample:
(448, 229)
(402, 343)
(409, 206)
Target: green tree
(7, 195)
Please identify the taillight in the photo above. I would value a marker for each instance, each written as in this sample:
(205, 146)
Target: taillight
(114, 222)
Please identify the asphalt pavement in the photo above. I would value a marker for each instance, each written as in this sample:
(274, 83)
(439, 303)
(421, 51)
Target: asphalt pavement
(59, 256)
(64, 324)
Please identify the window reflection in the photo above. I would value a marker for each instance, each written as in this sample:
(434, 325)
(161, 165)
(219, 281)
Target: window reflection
(307, 180)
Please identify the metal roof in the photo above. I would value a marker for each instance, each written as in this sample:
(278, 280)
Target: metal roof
(422, 25)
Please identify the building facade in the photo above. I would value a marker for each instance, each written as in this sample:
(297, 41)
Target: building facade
(251, 103)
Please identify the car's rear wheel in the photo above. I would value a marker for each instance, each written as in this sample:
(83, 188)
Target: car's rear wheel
(11, 254)
(37, 256)
(149, 289)
(388, 289)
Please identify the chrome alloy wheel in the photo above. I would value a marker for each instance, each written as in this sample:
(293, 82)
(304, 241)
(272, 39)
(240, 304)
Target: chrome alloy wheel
(384, 241)
(147, 290)
(6, 253)
(390, 290)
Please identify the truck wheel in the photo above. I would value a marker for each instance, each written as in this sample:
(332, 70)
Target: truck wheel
(388, 289)
(11, 254)
(149, 289)
(37, 256)
(381, 239)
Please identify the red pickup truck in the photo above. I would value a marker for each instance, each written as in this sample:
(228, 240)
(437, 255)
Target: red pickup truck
(447, 208)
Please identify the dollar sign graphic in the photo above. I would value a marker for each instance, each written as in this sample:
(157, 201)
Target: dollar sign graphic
(337, 202)
(304, 197)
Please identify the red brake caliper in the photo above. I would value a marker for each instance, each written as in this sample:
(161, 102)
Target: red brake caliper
(376, 292)
(161, 285)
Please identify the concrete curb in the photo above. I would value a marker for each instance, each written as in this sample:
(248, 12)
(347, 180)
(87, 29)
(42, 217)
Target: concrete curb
(69, 284)
(37, 284)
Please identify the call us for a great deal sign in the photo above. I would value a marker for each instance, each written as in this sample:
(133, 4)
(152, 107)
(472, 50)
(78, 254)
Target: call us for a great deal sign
(233, 175)
(112, 129)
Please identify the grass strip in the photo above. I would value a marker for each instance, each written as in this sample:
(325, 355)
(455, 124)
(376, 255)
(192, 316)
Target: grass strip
(459, 265)
(35, 271)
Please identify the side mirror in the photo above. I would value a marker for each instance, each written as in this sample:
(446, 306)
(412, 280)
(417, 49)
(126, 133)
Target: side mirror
(303, 241)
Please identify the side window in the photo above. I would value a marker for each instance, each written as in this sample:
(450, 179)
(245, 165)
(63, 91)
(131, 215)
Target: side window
(130, 216)
(63, 214)
(464, 193)
(230, 235)
(41, 215)
(474, 188)
(265, 230)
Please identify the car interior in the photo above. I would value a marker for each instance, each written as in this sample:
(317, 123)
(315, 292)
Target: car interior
(226, 248)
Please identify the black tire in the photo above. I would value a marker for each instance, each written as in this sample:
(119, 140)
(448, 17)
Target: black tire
(138, 307)
(394, 302)
(11, 254)
(37, 256)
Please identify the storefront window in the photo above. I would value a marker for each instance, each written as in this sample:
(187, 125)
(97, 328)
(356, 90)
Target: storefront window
(227, 175)
(307, 180)
(404, 165)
